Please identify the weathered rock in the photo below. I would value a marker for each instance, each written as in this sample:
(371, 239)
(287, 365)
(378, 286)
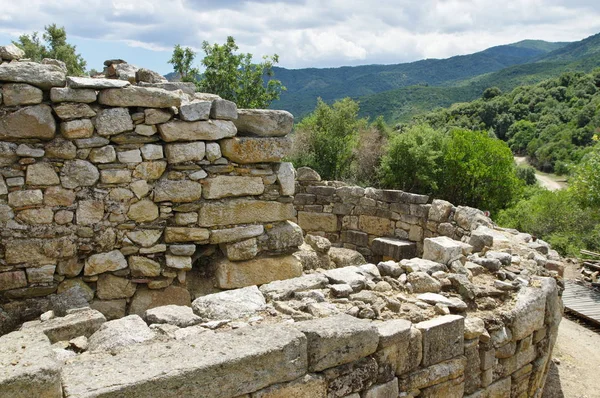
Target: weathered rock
(337, 340)
(308, 386)
(432, 375)
(343, 257)
(285, 289)
(239, 251)
(152, 152)
(149, 76)
(179, 262)
(285, 236)
(43, 274)
(11, 52)
(194, 111)
(96, 84)
(68, 94)
(143, 211)
(442, 338)
(113, 121)
(325, 222)
(90, 212)
(235, 234)
(528, 313)
(119, 333)
(25, 198)
(228, 186)
(12, 280)
(258, 271)
(177, 191)
(8, 153)
(79, 128)
(21, 94)
(29, 366)
(105, 154)
(211, 130)
(389, 389)
(149, 171)
(177, 315)
(78, 173)
(188, 152)
(145, 299)
(61, 149)
(183, 234)
(223, 109)
(40, 75)
(29, 122)
(83, 322)
(481, 238)
(147, 97)
(202, 357)
(420, 265)
(307, 174)
(143, 266)
(104, 262)
(443, 249)
(41, 174)
(157, 116)
(233, 304)
(247, 150)
(240, 211)
(111, 309)
(73, 110)
(145, 237)
(347, 275)
(111, 287)
(264, 122)
(393, 332)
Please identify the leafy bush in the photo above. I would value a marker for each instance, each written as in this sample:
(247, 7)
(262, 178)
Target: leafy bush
(527, 175)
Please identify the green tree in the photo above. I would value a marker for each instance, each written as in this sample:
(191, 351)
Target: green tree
(236, 78)
(55, 47)
(478, 171)
(325, 140)
(413, 160)
(182, 59)
(585, 182)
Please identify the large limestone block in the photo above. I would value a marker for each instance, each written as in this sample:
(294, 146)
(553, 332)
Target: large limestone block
(227, 186)
(393, 332)
(286, 175)
(285, 289)
(239, 211)
(285, 236)
(78, 173)
(442, 338)
(143, 211)
(90, 212)
(38, 251)
(258, 271)
(235, 234)
(210, 130)
(376, 225)
(177, 191)
(30, 197)
(232, 304)
(30, 122)
(194, 111)
(113, 121)
(73, 110)
(119, 333)
(337, 340)
(178, 315)
(143, 266)
(221, 365)
(150, 170)
(325, 222)
(43, 76)
(104, 262)
(10, 52)
(308, 386)
(21, 94)
(246, 150)
(528, 312)
(97, 84)
(146, 97)
(443, 250)
(12, 280)
(68, 94)
(28, 366)
(111, 287)
(145, 299)
(184, 234)
(264, 122)
(83, 322)
(78, 128)
(188, 152)
(434, 374)
(389, 389)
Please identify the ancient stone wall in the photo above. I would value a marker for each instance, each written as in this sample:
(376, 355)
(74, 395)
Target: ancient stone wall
(354, 217)
(118, 186)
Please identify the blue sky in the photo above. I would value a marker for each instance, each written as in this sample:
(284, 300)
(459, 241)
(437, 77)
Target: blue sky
(305, 33)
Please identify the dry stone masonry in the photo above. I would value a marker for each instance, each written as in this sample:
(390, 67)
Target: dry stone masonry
(152, 245)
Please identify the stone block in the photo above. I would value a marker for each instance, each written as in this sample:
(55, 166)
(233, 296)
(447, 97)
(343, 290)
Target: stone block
(325, 222)
(28, 366)
(454, 388)
(338, 340)
(355, 238)
(285, 289)
(104, 262)
(211, 130)
(228, 186)
(223, 109)
(113, 121)
(131, 96)
(118, 333)
(183, 234)
(393, 248)
(376, 225)
(434, 374)
(177, 191)
(78, 173)
(188, 152)
(68, 94)
(258, 271)
(12, 280)
(264, 122)
(393, 332)
(143, 211)
(43, 76)
(82, 322)
(21, 94)
(528, 313)
(307, 386)
(143, 266)
(157, 116)
(149, 171)
(218, 364)
(348, 379)
(284, 236)
(25, 198)
(43, 274)
(232, 304)
(111, 309)
(111, 287)
(442, 338)
(96, 84)
(235, 234)
(194, 111)
(144, 298)
(240, 211)
(90, 212)
(442, 249)
(239, 251)
(178, 315)
(245, 150)
(387, 390)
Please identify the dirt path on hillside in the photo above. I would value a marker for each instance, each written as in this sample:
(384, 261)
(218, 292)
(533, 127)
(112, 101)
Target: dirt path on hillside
(577, 351)
(551, 182)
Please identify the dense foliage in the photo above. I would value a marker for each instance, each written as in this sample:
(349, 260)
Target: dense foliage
(55, 47)
(230, 75)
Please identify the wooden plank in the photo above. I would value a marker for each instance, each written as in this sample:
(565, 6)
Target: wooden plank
(590, 253)
(582, 301)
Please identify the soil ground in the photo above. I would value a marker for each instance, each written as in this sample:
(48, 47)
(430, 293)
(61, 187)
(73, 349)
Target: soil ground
(551, 182)
(575, 372)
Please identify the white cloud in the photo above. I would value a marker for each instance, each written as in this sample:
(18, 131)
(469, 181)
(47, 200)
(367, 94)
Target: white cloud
(313, 32)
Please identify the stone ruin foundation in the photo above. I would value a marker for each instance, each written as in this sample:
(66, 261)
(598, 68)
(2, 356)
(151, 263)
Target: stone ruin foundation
(153, 243)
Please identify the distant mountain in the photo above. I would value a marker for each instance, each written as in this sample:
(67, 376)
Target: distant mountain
(306, 85)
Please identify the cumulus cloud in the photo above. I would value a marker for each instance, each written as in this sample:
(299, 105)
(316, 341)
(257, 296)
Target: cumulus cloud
(313, 32)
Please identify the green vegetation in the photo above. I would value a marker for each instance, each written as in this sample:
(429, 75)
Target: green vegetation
(232, 76)
(55, 47)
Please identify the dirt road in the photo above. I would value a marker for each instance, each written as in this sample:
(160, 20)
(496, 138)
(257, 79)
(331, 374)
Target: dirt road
(549, 181)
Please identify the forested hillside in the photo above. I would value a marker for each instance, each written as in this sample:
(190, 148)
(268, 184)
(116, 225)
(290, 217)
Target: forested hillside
(304, 86)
